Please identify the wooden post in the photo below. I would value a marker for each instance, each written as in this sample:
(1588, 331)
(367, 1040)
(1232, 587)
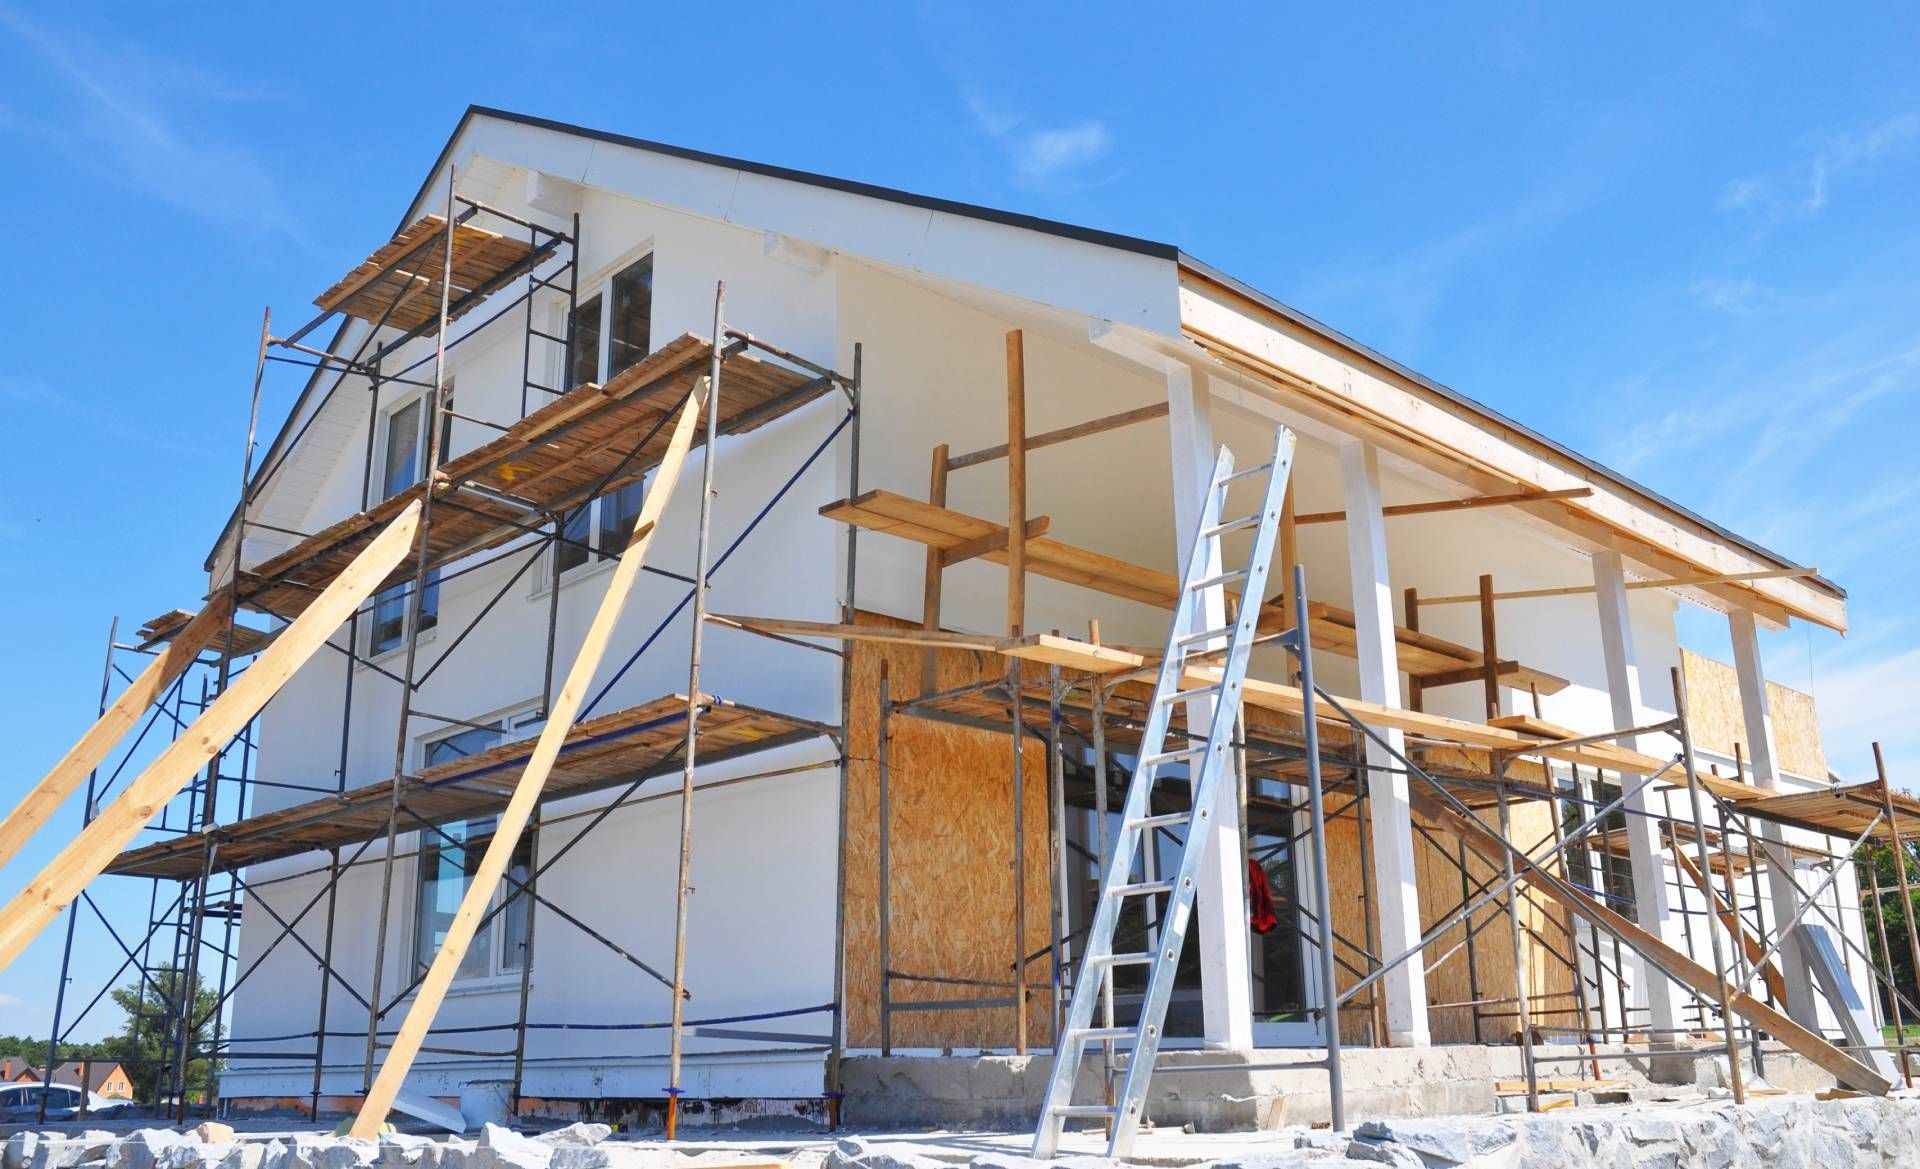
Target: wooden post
(526, 794)
(81, 861)
(1900, 867)
(47, 795)
(1289, 550)
(1416, 697)
(930, 594)
(1016, 619)
(1489, 649)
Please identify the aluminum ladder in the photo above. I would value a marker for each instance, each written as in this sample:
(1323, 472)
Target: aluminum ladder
(1207, 760)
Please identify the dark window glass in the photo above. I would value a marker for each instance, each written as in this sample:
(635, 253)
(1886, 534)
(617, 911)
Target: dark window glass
(618, 510)
(389, 628)
(401, 469)
(447, 865)
(627, 327)
(572, 552)
(585, 366)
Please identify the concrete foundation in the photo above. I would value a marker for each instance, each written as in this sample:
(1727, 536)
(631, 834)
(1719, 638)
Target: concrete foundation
(1270, 1089)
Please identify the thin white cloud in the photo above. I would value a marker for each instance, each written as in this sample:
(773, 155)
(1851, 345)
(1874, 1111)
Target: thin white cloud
(11, 1000)
(121, 114)
(1727, 295)
(1863, 699)
(1042, 158)
(1804, 186)
(25, 398)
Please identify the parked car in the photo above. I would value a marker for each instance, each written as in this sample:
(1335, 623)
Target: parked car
(22, 1102)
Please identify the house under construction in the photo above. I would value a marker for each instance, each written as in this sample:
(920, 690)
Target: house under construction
(492, 766)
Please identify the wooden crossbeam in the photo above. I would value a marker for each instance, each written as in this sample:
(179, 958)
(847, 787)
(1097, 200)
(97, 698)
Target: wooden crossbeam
(1672, 582)
(1445, 505)
(513, 818)
(990, 543)
(1064, 434)
(1657, 952)
(47, 795)
(81, 861)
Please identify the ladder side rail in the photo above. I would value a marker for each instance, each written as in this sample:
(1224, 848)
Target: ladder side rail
(1219, 738)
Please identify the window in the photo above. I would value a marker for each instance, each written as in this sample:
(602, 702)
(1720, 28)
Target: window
(629, 316)
(586, 344)
(599, 530)
(449, 856)
(403, 463)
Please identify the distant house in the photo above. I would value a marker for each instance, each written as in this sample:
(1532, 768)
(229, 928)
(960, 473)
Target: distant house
(103, 1078)
(14, 1070)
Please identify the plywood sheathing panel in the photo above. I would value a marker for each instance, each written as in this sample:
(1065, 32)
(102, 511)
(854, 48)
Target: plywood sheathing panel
(407, 297)
(1717, 720)
(951, 849)
(552, 459)
(608, 751)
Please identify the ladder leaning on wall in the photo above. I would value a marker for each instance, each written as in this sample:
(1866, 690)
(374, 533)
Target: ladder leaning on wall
(1207, 760)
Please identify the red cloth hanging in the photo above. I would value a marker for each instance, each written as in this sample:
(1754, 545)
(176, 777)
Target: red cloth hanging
(1259, 899)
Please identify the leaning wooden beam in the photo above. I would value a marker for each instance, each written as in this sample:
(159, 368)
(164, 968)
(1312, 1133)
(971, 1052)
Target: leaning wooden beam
(526, 794)
(82, 860)
(1672, 962)
(1444, 505)
(1738, 928)
(1064, 434)
(1672, 582)
(52, 791)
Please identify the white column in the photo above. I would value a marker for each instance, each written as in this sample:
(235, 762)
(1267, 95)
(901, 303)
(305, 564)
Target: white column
(1801, 1005)
(1220, 904)
(1396, 888)
(1643, 833)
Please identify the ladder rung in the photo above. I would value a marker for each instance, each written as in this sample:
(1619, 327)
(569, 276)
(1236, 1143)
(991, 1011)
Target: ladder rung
(1072, 1110)
(1142, 889)
(1140, 959)
(1248, 473)
(1245, 521)
(1204, 635)
(1169, 756)
(1223, 578)
(1102, 1034)
(1189, 695)
(1162, 818)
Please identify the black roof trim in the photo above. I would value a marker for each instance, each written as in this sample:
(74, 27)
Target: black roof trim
(1341, 339)
(1086, 235)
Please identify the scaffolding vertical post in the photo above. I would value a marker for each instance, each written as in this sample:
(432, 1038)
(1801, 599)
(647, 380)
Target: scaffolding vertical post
(848, 614)
(532, 894)
(1706, 879)
(1473, 961)
(1016, 622)
(1302, 648)
(431, 420)
(1102, 844)
(683, 887)
(326, 980)
(1057, 847)
(1886, 961)
(1520, 995)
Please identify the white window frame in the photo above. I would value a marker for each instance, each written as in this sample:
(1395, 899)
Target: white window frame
(601, 287)
(367, 648)
(516, 722)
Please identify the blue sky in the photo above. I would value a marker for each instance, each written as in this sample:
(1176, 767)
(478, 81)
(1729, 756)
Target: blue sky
(1680, 238)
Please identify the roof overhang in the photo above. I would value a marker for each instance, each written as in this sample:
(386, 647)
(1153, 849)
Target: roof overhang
(1302, 365)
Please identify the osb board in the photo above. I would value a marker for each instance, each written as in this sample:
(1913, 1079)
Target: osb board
(1717, 722)
(1491, 972)
(950, 841)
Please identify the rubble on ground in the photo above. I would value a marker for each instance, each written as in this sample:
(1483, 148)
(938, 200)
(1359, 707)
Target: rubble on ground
(1791, 1132)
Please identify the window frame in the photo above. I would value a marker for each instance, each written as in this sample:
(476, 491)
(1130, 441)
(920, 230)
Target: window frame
(594, 518)
(514, 722)
(372, 648)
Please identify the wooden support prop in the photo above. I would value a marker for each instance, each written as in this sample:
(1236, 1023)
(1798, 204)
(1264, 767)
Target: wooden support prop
(1489, 649)
(526, 794)
(1416, 684)
(47, 795)
(81, 861)
(1769, 973)
(1675, 964)
(1289, 551)
(1672, 582)
(936, 561)
(1016, 483)
(1442, 505)
(1064, 434)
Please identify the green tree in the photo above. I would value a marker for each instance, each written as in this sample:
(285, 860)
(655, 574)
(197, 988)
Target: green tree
(150, 1045)
(1888, 920)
